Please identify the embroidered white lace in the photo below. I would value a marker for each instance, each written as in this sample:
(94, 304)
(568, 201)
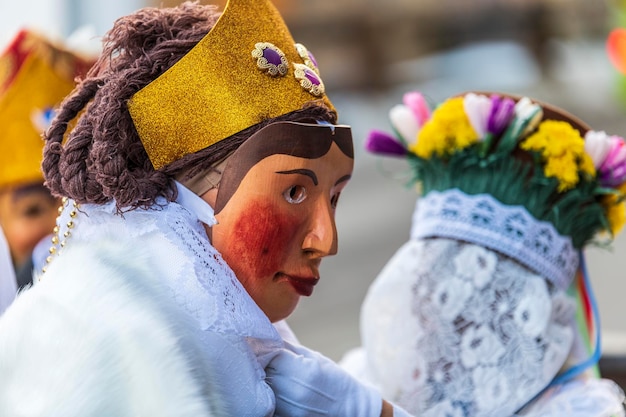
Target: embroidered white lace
(200, 281)
(510, 230)
(579, 398)
(479, 334)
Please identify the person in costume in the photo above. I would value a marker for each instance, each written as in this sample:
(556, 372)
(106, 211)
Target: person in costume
(487, 309)
(35, 75)
(199, 190)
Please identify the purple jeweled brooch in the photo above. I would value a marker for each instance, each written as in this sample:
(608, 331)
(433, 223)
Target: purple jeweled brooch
(309, 79)
(270, 59)
(307, 57)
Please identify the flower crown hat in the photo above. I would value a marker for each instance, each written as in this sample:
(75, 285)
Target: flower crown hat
(246, 69)
(522, 153)
(35, 75)
(519, 177)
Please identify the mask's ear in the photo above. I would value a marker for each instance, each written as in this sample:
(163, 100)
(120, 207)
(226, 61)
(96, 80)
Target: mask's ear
(300, 140)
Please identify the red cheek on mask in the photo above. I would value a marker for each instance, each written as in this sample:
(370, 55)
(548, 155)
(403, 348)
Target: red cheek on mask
(259, 240)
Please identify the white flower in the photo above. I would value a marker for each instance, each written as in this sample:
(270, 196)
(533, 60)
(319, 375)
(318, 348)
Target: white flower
(526, 110)
(477, 264)
(480, 345)
(557, 350)
(532, 313)
(597, 146)
(404, 122)
(492, 388)
(450, 296)
(477, 107)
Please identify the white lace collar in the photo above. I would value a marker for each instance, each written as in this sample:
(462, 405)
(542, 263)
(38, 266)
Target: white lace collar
(199, 278)
(195, 205)
(248, 320)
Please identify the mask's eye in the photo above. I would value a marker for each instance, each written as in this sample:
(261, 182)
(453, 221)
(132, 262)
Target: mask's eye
(295, 194)
(33, 211)
(334, 200)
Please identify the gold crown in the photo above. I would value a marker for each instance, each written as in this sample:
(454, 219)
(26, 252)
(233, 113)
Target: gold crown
(35, 76)
(246, 69)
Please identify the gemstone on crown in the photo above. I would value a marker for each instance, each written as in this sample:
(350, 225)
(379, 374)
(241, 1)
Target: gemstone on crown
(270, 59)
(307, 57)
(309, 80)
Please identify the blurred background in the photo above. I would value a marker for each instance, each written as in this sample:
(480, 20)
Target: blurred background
(370, 52)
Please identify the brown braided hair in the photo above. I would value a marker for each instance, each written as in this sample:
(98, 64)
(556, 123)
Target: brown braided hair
(102, 158)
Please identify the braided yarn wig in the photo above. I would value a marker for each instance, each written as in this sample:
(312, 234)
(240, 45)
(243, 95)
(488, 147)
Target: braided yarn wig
(102, 158)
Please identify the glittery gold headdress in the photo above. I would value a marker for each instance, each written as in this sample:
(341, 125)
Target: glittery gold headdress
(246, 69)
(35, 76)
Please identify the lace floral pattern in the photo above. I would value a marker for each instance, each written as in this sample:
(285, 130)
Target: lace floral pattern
(486, 334)
(237, 336)
(510, 230)
(198, 277)
(579, 398)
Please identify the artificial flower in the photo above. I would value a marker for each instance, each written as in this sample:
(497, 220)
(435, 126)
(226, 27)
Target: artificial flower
(478, 109)
(527, 116)
(597, 145)
(565, 169)
(561, 148)
(616, 209)
(404, 122)
(502, 111)
(586, 165)
(528, 112)
(613, 169)
(416, 102)
(589, 175)
(448, 131)
(383, 144)
(562, 139)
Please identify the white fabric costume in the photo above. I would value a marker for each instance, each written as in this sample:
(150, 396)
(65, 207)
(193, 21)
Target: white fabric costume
(452, 328)
(157, 322)
(8, 286)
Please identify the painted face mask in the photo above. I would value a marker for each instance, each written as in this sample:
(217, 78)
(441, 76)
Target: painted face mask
(275, 210)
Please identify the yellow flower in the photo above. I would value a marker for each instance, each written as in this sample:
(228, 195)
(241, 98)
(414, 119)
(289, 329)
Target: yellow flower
(563, 168)
(563, 152)
(617, 217)
(586, 164)
(448, 130)
(615, 211)
(562, 138)
(535, 142)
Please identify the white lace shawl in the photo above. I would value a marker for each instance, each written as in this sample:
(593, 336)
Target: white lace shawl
(198, 278)
(101, 336)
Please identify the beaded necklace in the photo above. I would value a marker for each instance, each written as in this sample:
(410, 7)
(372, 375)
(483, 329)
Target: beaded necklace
(57, 243)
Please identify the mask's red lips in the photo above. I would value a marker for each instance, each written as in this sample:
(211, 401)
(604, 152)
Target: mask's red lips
(302, 285)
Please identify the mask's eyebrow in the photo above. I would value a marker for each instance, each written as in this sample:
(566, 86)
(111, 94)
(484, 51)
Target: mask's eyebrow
(301, 171)
(343, 179)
